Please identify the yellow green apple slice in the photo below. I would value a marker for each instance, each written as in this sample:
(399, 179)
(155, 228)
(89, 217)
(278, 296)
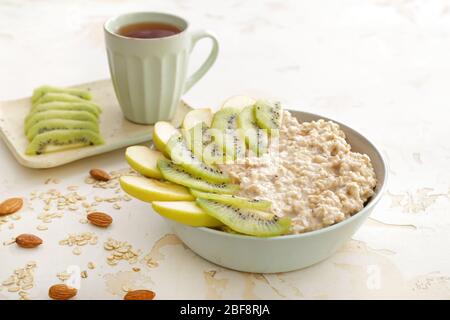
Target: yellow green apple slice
(162, 132)
(149, 190)
(238, 102)
(185, 212)
(144, 160)
(196, 116)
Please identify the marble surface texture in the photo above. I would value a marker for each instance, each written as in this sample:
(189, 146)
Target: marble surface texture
(380, 66)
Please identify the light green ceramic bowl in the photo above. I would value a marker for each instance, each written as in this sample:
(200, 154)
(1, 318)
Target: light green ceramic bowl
(291, 252)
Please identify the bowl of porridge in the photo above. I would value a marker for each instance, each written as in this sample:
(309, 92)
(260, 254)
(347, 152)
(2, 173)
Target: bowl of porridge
(325, 176)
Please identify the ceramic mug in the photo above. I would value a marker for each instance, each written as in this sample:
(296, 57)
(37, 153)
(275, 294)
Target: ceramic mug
(150, 75)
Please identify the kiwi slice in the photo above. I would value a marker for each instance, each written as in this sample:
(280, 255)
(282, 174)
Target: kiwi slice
(42, 90)
(180, 154)
(239, 202)
(59, 124)
(257, 139)
(59, 114)
(228, 136)
(58, 140)
(177, 174)
(268, 115)
(61, 97)
(197, 138)
(200, 142)
(59, 105)
(246, 221)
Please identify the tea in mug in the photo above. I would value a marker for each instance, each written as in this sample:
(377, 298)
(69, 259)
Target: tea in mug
(148, 30)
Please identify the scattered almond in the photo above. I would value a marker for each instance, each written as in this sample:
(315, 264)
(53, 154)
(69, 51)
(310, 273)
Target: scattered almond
(28, 240)
(61, 292)
(100, 175)
(100, 219)
(139, 295)
(10, 206)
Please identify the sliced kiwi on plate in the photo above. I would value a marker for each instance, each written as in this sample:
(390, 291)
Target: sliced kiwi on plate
(59, 114)
(268, 115)
(180, 154)
(177, 174)
(240, 202)
(58, 96)
(60, 124)
(57, 140)
(247, 221)
(42, 90)
(61, 105)
(256, 138)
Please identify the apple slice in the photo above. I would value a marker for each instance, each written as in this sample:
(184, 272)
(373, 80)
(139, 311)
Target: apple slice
(149, 190)
(194, 117)
(238, 102)
(144, 160)
(161, 134)
(185, 212)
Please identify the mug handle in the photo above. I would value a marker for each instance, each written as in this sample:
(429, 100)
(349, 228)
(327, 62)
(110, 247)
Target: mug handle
(197, 75)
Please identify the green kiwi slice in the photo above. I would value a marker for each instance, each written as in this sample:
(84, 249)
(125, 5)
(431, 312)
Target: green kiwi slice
(58, 114)
(181, 155)
(39, 92)
(66, 106)
(247, 221)
(58, 140)
(61, 97)
(227, 134)
(59, 124)
(214, 154)
(257, 139)
(197, 138)
(177, 174)
(268, 115)
(240, 202)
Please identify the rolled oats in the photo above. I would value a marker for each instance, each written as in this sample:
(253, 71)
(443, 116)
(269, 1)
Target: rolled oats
(311, 175)
(21, 280)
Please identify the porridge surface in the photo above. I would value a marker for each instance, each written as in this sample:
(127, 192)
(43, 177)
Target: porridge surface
(311, 175)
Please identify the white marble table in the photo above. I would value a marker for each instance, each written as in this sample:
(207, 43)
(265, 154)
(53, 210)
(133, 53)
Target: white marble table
(381, 66)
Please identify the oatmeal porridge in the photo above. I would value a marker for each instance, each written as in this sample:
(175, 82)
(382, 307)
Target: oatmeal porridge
(311, 175)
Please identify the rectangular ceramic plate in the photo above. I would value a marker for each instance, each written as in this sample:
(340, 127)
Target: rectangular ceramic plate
(115, 129)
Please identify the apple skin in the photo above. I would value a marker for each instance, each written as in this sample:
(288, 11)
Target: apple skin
(196, 116)
(238, 102)
(185, 212)
(162, 132)
(144, 160)
(149, 190)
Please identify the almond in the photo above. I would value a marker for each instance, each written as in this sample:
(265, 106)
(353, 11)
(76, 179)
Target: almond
(10, 205)
(100, 219)
(100, 175)
(61, 292)
(28, 240)
(139, 295)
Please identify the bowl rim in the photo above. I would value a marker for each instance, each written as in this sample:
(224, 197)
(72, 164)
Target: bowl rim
(373, 201)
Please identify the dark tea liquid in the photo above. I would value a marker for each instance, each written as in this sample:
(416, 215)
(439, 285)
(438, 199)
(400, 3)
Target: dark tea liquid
(148, 30)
